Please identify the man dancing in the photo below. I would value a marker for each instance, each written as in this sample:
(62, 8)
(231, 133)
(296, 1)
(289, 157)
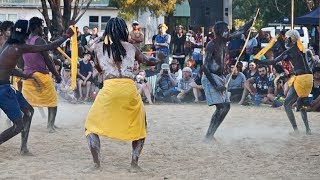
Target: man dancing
(40, 64)
(11, 101)
(213, 80)
(300, 84)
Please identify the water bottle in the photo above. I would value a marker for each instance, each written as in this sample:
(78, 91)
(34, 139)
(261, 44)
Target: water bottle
(257, 100)
(94, 95)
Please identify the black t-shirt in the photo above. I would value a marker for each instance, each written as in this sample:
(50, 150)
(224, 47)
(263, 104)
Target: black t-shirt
(262, 84)
(315, 92)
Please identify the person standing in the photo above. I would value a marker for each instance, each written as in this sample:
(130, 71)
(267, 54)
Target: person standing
(136, 37)
(178, 41)
(162, 42)
(40, 65)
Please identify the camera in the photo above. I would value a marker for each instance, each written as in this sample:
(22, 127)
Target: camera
(165, 72)
(139, 78)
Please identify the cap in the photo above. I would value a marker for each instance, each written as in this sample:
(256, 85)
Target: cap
(187, 69)
(174, 61)
(165, 66)
(135, 22)
(20, 30)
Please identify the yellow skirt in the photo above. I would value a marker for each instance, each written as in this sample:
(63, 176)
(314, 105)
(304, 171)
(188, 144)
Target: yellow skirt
(47, 97)
(117, 112)
(302, 84)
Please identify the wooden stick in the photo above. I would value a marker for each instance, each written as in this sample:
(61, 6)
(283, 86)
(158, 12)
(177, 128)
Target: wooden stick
(243, 48)
(202, 51)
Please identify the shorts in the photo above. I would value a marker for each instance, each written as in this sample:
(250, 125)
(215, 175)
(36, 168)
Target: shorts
(11, 102)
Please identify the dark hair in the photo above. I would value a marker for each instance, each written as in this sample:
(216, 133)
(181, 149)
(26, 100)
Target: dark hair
(117, 31)
(5, 25)
(315, 48)
(279, 69)
(263, 66)
(35, 23)
(19, 32)
(219, 27)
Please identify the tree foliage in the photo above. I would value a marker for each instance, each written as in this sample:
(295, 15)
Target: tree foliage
(64, 14)
(270, 11)
(131, 8)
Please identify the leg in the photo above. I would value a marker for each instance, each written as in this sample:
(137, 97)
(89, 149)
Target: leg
(288, 102)
(41, 110)
(94, 145)
(52, 112)
(217, 118)
(147, 93)
(80, 88)
(27, 117)
(88, 85)
(12, 131)
(300, 103)
(196, 93)
(137, 147)
(244, 95)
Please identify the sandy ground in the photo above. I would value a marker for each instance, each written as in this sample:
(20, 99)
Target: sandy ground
(253, 142)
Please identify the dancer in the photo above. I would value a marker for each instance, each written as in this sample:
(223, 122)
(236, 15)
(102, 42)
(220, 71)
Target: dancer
(300, 85)
(213, 80)
(12, 101)
(118, 111)
(39, 65)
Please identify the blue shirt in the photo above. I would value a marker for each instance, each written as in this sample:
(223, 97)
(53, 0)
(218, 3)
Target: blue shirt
(85, 68)
(262, 84)
(163, 39)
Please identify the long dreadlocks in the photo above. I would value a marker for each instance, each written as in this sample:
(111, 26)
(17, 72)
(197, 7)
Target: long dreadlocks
(115, 32)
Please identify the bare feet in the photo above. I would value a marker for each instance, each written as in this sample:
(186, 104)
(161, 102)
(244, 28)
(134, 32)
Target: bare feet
(308, 132)
(25, 152)
(92, 169)
(51, 130)
(135, 169)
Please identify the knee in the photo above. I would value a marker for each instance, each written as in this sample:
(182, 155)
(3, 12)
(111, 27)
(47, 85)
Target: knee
(18, 126)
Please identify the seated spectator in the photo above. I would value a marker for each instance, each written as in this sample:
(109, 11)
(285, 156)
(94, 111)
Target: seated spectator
(165, 83)
(279, 80)
(151, 71)
(315, 103)
(314, 48)
(184, 88)
(192, 64)
(174, 69)
(256, 50)
(197, 88)
(85, 76)
(136, 68)
(252, 71)
(262, 87)
(236, 84)
(64, 87)
(143, 86)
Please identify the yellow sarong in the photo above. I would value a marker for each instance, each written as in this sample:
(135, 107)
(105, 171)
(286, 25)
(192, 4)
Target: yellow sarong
(302, 84)
(117, 112)
(47, 97)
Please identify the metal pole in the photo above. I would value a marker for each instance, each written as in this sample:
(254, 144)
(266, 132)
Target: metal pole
(292, 13)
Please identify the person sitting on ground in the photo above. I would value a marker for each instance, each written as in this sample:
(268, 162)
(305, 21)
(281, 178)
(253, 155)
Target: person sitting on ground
(184, 88)
(64, 88)
(315, 103)
(143, 86)
(136, 68)
(197, 88)
(252, 71)
(192, 64)
(85, 76)
(165, 83)
(236, 84)
(262, 87)
(279, 80)
(151, 71)
(174, 69)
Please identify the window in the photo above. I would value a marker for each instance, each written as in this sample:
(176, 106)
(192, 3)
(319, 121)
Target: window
(93, 21)
(104, 20)
(3, 17)
(12, 17)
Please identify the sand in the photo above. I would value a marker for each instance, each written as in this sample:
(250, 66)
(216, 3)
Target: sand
(252, 143)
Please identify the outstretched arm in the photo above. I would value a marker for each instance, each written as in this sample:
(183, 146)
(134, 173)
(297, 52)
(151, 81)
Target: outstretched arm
(281, 57)
(242, 30)
(149, 61)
